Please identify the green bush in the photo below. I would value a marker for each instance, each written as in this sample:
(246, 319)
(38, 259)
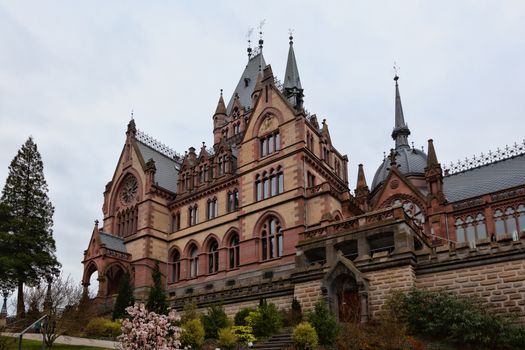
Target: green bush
(457, 319)
(265, 320)
(305, 337)
(374, 335)
(325, 324)
(189, 312)
(244, 334)
(100, 327)
(192, 333)
(240, 316)
(227, 338)
(214, 320)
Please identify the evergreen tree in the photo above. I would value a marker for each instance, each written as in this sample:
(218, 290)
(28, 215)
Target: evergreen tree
(157, 297)
(124, 298)
(31, 253)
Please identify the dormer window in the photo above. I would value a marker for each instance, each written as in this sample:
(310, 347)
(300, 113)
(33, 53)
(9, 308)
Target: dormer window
(246, 82)
(270, 143)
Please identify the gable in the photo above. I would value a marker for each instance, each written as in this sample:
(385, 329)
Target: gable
(396, 184)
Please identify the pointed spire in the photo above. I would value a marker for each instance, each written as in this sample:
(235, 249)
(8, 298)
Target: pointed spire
(292, 82)
(132, 128)
(401, 130)
(221, 107)
(361, 180)
(432, 158)
(291, 77)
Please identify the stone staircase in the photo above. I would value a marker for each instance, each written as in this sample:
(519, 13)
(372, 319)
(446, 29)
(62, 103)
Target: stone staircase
(278, 341)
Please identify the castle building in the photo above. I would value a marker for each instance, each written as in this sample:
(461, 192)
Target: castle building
(266, 212)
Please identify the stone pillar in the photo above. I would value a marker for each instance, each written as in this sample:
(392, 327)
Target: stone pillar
(363, 249)
(363, 300)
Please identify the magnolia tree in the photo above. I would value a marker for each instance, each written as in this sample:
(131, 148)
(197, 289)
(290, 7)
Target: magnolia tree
(149, 331)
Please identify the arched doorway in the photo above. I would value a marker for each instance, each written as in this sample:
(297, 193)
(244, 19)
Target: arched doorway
(114, 274)
(346, 297)
(346, 289)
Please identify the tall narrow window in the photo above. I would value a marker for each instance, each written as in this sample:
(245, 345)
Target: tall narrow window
(212, 209)
(175, 267)
(280, 180)
(481, 227)
(193, 215)
(233, 200)
(471, 233)
(499, 223)
(510, 220)
(194, 262)
(269, 144)
(175, 222)
(213, 257)
(273, 183)
(272, 239)
(460, 231)
(521, 217)
(258, 188)
(266, 186)
(234, 251)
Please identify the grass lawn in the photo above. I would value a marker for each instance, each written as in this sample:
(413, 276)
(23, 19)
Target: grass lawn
(12, 344)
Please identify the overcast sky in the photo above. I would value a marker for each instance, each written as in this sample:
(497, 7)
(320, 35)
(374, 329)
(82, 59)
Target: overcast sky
(71, 72)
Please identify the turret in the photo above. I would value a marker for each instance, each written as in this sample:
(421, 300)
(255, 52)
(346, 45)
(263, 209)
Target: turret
(361, 190)
(434, 175)
(219, 119)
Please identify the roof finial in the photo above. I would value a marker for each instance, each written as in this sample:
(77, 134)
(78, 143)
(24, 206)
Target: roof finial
(260, 27)
(221, 92)
(396, 70)
(132, 114)
(249, 36)
(290, 32)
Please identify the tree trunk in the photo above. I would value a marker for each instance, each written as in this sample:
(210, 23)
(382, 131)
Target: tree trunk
(20, 307)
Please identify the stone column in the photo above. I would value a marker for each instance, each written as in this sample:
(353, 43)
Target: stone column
(363, 300)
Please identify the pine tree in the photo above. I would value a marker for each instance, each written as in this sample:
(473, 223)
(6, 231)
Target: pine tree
(124, 298)
(157, 297)
(31, 254)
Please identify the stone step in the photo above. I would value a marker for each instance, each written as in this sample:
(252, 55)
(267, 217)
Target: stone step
(278, 341)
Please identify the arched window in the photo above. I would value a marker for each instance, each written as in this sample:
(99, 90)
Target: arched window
(481, 227)
(471, 233)
(521, 217)
(175, 266)
(499, 223)
(269, 184)
(212, 210)
(175, 222)
(272, 239)
(213, 257)
(270, 144)
(193, 215)
(510, 220)
(233, 200)
(194, 262)
(234, 251)
(460, 231)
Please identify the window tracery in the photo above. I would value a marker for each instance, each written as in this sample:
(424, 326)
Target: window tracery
(269, 144)
(213, 257)
(234, 251)
(510, 220)
(470, 227)
(193, 262)
(272, 239)
(269, 184)
(175, 266)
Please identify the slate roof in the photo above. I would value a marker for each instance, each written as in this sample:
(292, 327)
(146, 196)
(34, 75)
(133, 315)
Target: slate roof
(112, 242)
(167, 168)
(410, 162)
(245, 87)
(485, 179)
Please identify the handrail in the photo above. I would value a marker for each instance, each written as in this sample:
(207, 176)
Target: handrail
(28, 328)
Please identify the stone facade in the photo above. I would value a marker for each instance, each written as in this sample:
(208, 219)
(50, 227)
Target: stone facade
(266, 213)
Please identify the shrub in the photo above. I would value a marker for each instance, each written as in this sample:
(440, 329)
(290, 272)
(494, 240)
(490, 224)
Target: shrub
(214, 320)
(189, 312)
(192, 333)
(157, 296)
(227, 338)
(100, 327)
(324, 322)
(244, 334)
(265, 321)
(305, 337)
(455, 318)
(240, 316)
(124, 298)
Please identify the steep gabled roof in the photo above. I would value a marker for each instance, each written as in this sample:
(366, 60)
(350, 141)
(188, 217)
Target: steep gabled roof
(247, 82)
(167, 172)
(485, 179)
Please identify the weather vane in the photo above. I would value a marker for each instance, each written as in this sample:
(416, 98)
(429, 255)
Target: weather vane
(260, 27)
(132, 113)
(249, 37)
(396, 68)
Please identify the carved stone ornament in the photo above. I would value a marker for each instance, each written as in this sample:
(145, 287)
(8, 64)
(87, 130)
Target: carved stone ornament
(129, 190)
